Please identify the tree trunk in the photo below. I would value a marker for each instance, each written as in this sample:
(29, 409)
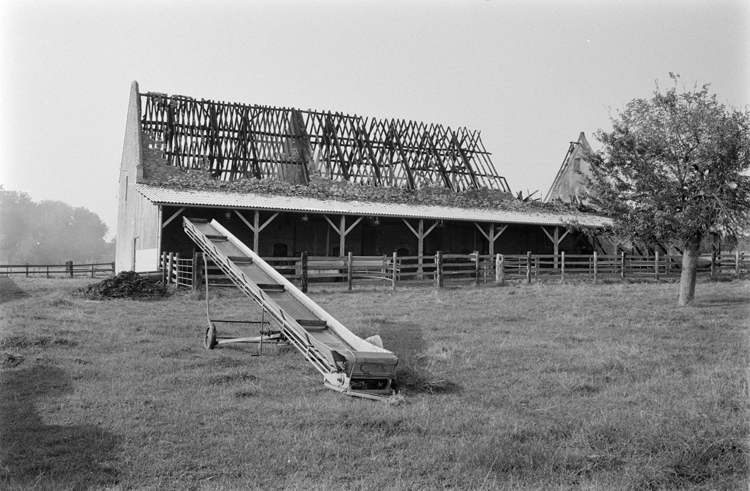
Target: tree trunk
(689, 271)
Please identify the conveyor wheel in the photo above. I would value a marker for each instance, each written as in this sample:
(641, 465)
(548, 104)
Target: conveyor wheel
(210, 340)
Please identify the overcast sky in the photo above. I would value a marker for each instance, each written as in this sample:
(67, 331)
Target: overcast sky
(530, 75)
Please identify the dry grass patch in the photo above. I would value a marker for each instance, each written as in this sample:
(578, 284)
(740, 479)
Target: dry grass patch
(523, 387)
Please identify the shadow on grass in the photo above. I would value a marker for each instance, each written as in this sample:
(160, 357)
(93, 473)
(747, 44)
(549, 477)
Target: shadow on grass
(720, 302)
(34, 455)
(10, 291)
(416, 373)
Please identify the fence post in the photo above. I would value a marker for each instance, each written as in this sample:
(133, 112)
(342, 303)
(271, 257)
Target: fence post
(170, 268)
(393, 272)
(48, 271)
(70, 265)
(349, 271)
(303, 273)
(528, 267)
(713, 265)
(439, 269)
(476, 267)
(92, 270)
(737, 263)
(562, 266)
(27, 269)
(622, 265)
(656, 265)
(177, 269)
(499, 269)
(163, 267)
(595, 266)
(113, 267)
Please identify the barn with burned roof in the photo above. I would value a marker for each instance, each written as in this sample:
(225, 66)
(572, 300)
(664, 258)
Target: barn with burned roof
(287, 181)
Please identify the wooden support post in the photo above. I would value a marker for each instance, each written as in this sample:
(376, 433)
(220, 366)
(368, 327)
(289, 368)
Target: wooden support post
(163, 268)
(439, 269)
(528, 267)
(476, 267)
(492, 236)
(342, 231)
(113, 267)
(394, 271)
(622, 265)
(562, 266)
(420, 249)
(491, 247)
(421, 234)
(349, 270)
(556, 239)
(595, 266)
(256, 232)
(303, 273)
(342, 237)
(656, 265)
(556, 244)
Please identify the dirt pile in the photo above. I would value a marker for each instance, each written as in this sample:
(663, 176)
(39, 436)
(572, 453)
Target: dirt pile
(127, 284)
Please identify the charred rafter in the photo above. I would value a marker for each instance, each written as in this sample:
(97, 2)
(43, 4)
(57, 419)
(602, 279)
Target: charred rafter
(232, 141)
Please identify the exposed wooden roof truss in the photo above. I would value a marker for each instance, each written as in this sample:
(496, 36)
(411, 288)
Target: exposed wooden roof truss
(236, 140)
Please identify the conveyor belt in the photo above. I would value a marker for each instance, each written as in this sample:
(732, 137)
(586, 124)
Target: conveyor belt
(348, 363)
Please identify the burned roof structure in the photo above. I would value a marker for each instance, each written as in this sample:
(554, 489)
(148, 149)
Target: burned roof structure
(233, 141)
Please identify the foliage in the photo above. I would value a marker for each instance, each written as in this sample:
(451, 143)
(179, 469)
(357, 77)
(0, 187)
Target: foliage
(674, 169)
(48, 232)
(324, 189)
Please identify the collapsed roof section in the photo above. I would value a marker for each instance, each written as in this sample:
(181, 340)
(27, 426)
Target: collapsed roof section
(234, 141)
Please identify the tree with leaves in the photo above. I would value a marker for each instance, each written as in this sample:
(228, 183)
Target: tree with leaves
(673, 171)
(49, 232)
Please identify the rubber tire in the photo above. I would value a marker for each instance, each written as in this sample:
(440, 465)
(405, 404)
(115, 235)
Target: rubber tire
(210, 339)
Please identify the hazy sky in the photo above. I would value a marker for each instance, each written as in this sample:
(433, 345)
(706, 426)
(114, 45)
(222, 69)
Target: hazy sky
(530, 75)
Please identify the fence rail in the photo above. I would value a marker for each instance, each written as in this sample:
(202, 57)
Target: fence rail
(68, 269)
(441, 268)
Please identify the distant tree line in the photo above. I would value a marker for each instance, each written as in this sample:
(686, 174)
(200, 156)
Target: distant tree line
(49, 232)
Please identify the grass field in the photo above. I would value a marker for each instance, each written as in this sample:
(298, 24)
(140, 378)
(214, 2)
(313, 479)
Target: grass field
(542, 386)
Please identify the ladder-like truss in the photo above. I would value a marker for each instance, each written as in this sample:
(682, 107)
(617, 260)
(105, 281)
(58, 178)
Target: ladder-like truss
(237, 140)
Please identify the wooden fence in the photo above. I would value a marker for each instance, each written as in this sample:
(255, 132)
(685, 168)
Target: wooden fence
(442, 268)
(68, 269)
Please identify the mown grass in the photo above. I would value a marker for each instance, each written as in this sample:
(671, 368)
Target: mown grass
(539, 386)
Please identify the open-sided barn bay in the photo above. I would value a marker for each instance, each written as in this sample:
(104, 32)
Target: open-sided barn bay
(551, 386)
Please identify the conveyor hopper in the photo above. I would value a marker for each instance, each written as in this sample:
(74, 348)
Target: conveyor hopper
(348, 363)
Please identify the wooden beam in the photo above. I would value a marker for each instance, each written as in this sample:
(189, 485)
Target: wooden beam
(353, 225)
(492, 235)
(249, 225)
(342, 230)
(421, 234)
(175, 215)
(556, 239)
(331, 224)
